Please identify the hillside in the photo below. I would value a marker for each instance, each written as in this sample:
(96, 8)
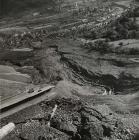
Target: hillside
(89, 52)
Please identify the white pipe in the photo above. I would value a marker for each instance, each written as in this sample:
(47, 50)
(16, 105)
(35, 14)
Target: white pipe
(52, 115)
(5, 130)
(105, 92)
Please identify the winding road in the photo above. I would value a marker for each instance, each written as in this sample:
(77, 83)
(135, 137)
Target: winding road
(19, 102)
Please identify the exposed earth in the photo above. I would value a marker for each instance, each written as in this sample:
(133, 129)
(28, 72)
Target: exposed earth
(95, 73)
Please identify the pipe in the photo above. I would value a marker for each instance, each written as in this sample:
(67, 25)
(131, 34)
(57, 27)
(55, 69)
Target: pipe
(5, 130)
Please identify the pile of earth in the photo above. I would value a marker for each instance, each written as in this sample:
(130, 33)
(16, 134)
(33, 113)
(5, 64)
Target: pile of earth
(78, 117)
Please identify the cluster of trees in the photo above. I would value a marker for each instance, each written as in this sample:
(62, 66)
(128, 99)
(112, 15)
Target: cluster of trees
(123, 28)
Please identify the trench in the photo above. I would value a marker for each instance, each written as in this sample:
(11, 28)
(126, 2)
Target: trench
(74, 63)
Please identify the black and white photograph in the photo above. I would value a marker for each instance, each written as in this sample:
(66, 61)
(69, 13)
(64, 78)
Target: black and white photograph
(69, 69)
